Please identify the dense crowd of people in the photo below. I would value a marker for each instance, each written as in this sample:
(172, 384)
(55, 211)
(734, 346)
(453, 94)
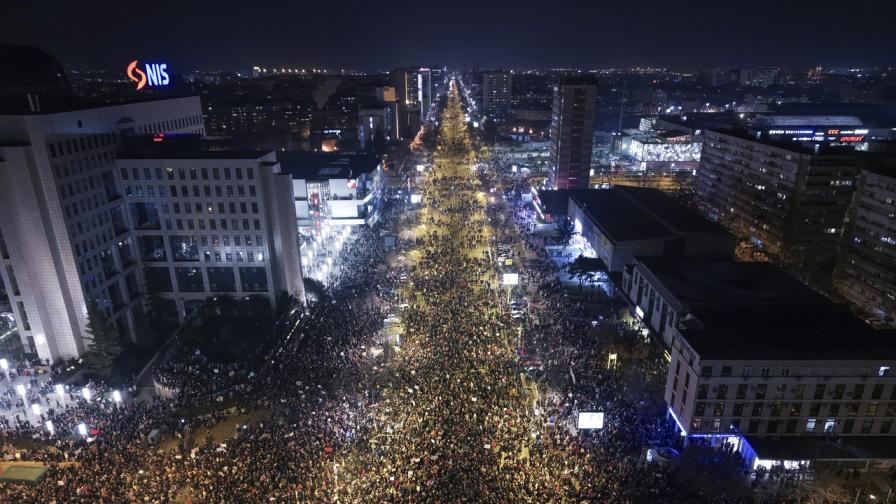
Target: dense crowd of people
(347, 412)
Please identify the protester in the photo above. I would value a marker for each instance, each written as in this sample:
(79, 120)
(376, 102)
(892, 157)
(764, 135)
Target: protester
(354, 414)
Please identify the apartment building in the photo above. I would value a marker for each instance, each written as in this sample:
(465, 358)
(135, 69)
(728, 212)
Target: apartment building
(866, 268)
(787, 199)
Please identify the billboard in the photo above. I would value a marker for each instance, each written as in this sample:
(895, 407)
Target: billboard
(510, 279)
(591, 420)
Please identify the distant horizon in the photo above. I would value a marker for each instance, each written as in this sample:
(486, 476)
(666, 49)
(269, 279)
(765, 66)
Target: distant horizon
(366, 36)
(521, 70)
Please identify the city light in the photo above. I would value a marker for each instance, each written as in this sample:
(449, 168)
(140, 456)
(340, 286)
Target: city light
(399, 284)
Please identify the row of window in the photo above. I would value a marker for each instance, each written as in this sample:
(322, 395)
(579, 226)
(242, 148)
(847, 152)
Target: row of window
(819, 391)
(81, 165)
(171, 124)
(213, 279)
(210, 224)
(811, 426)
(139, 191)
(75, 145)
(191, 173)
(794, 409)
(767, 371)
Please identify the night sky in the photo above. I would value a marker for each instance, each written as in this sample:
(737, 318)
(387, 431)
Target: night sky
(370, 35)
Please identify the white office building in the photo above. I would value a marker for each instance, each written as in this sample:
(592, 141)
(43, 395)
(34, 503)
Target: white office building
(59, 195)
(78, 223)
(209, 223)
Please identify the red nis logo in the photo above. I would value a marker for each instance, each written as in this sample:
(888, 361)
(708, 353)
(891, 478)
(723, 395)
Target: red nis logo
(156, 74)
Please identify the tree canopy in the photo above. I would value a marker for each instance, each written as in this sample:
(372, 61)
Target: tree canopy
(105, 342)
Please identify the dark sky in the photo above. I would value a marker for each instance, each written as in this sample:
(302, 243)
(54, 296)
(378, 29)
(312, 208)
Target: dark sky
(368, 35)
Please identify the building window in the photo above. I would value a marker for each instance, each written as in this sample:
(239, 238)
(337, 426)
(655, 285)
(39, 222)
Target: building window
(838, 391)
(866, 426)
(760, 391)
(722, 392)
(810, 426)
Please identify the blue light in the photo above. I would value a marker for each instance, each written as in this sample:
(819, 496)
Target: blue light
(680, 426)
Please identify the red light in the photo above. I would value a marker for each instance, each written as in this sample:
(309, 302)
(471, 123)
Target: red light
(857, 138)
(159, 137)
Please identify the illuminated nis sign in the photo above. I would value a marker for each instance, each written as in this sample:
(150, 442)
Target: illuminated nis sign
(156, 74)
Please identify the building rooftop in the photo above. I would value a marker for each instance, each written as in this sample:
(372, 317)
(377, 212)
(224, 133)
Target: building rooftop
(808, 120)
(636, 213)
(753, 311)
(872, 115)
(658, 136)
(180, 146)
(617, 216)
(788, 145)
(326, 165)
(553, 201)
(725, 281)
(202, 154)
(786, 331)
(699, 121)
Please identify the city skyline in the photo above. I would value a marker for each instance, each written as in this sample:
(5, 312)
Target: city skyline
(529, 35)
